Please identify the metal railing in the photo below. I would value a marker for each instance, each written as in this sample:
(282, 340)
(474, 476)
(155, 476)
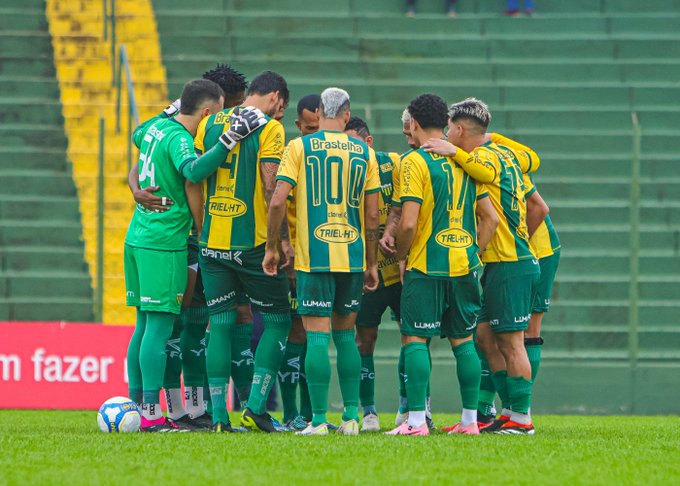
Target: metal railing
(133, 111)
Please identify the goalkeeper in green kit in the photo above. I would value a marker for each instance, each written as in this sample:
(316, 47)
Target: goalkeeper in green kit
(155, 245)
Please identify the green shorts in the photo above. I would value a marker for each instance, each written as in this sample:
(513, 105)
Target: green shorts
(439, 306)
(544, 286)
(155, 280)
(319, 294)
(228, 274)
(374, 305)
(508, 294)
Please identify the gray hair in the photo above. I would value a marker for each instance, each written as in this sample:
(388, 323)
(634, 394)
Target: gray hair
(405, 116)
(471, 109)
(334, 101)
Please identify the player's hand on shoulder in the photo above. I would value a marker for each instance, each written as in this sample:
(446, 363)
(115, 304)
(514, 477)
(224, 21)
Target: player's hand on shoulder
(173, 108)
(242, 122)
(440, 146)
(149, 201)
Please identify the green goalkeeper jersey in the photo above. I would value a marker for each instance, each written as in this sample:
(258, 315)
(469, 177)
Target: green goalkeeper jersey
(165, 147)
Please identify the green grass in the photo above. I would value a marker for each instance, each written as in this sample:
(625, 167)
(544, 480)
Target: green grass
(67, 448)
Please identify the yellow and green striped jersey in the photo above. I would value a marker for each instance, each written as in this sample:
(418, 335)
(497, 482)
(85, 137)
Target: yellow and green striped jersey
(388, 163)
(235, 206)
(544, 242)
(506, 164)
(445, 243)
(396, 181)
(331, 172)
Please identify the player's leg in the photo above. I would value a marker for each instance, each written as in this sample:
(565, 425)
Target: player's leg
(458, 324)
(132, 299)
(163, 279)
(315, 303)
(541, 304)
(173, 371)
(486, 408)
(422, 304)
(290, 373)
(242, 360)
(269, 296)
(221, 285)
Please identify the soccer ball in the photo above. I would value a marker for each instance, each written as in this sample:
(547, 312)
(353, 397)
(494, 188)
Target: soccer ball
(119, 414)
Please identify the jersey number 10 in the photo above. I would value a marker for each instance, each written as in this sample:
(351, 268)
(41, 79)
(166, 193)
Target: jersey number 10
(326, 179)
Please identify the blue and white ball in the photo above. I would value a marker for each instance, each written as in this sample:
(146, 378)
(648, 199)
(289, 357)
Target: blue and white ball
(119, 414)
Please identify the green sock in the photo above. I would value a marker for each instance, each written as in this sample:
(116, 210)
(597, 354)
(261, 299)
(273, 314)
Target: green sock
(417, 366)
(133, 370)
(367, 387)
(242, 360)
(193, 345)
(206, 386)
(429, 358)
(469, 372)
(533, 347)
(305, 402)
(152, 353)
(173, 357)
(403, 408)
(318, 368)
(519, 390)
(487, 392)
(289, 377)
(218, 362)
(349, 371)
(268, 357)
(501, 385)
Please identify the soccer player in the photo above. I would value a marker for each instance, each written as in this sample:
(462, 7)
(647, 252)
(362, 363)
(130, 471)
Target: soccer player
(388, 294)
(155, 245)
(336, 190)
(511, 270)
(186, 347)
(292, 370)
(232, 248)
(438, 233)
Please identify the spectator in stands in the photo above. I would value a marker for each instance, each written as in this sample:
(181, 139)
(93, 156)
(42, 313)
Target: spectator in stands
(513, 8)
(450, 8)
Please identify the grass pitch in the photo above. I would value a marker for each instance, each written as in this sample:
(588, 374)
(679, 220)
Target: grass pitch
(68, 448)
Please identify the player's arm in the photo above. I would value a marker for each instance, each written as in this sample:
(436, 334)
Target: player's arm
(276, 217)
(194, 193)
(372, 223)
(145, 196)
(528, 158)
(537, 210)
(387, 242)
(408, 223)
(487, 221)
(476, 164)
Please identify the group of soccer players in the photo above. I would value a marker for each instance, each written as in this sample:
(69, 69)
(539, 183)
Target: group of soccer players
(319, 238)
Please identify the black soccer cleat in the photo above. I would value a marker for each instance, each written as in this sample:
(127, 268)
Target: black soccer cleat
(166, 426)
(193, 425)
(205, 420)
(257, 422)
(221, 427)
(496, 425)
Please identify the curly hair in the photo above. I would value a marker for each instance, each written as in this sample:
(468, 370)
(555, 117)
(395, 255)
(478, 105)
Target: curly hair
(429, 110)
(229, 79)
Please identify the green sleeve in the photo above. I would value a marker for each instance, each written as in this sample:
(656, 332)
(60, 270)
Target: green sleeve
(138, 134)
(199, 169)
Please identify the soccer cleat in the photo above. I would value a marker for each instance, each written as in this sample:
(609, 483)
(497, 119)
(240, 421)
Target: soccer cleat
(400, 418)
(370, 423)
(406, 429)
(257, 422)
(497, 424)
(221, 427)
(192, 424)
(312, 430)
(279, 426)
(298, 423)
(516, 428)
(162, 424)
(430, 422)
(348, 427)
(459, 428)
(331, 426)
(204, 420)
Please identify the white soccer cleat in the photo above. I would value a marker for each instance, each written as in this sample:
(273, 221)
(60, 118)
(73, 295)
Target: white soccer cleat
(400, 418)
(311, 430)
(349, 427)
(370, 423)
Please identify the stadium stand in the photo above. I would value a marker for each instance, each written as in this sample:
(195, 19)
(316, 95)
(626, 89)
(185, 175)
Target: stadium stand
(43, 275)
(564, 82)
(84, 70)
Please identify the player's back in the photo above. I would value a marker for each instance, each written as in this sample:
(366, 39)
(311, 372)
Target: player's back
(544, 242)
(235, 206)
(164, 145)
(331, 173)
(507, 192)
(445, 243)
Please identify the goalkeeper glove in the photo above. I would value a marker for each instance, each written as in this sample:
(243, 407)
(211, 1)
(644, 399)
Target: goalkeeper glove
(172, 109)
(243, 122)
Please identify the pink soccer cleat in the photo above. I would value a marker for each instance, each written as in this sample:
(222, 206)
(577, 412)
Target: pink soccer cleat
(459, 428)
(406, 429)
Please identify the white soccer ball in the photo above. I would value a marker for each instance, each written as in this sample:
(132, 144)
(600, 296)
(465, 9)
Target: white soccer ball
(119, 414)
